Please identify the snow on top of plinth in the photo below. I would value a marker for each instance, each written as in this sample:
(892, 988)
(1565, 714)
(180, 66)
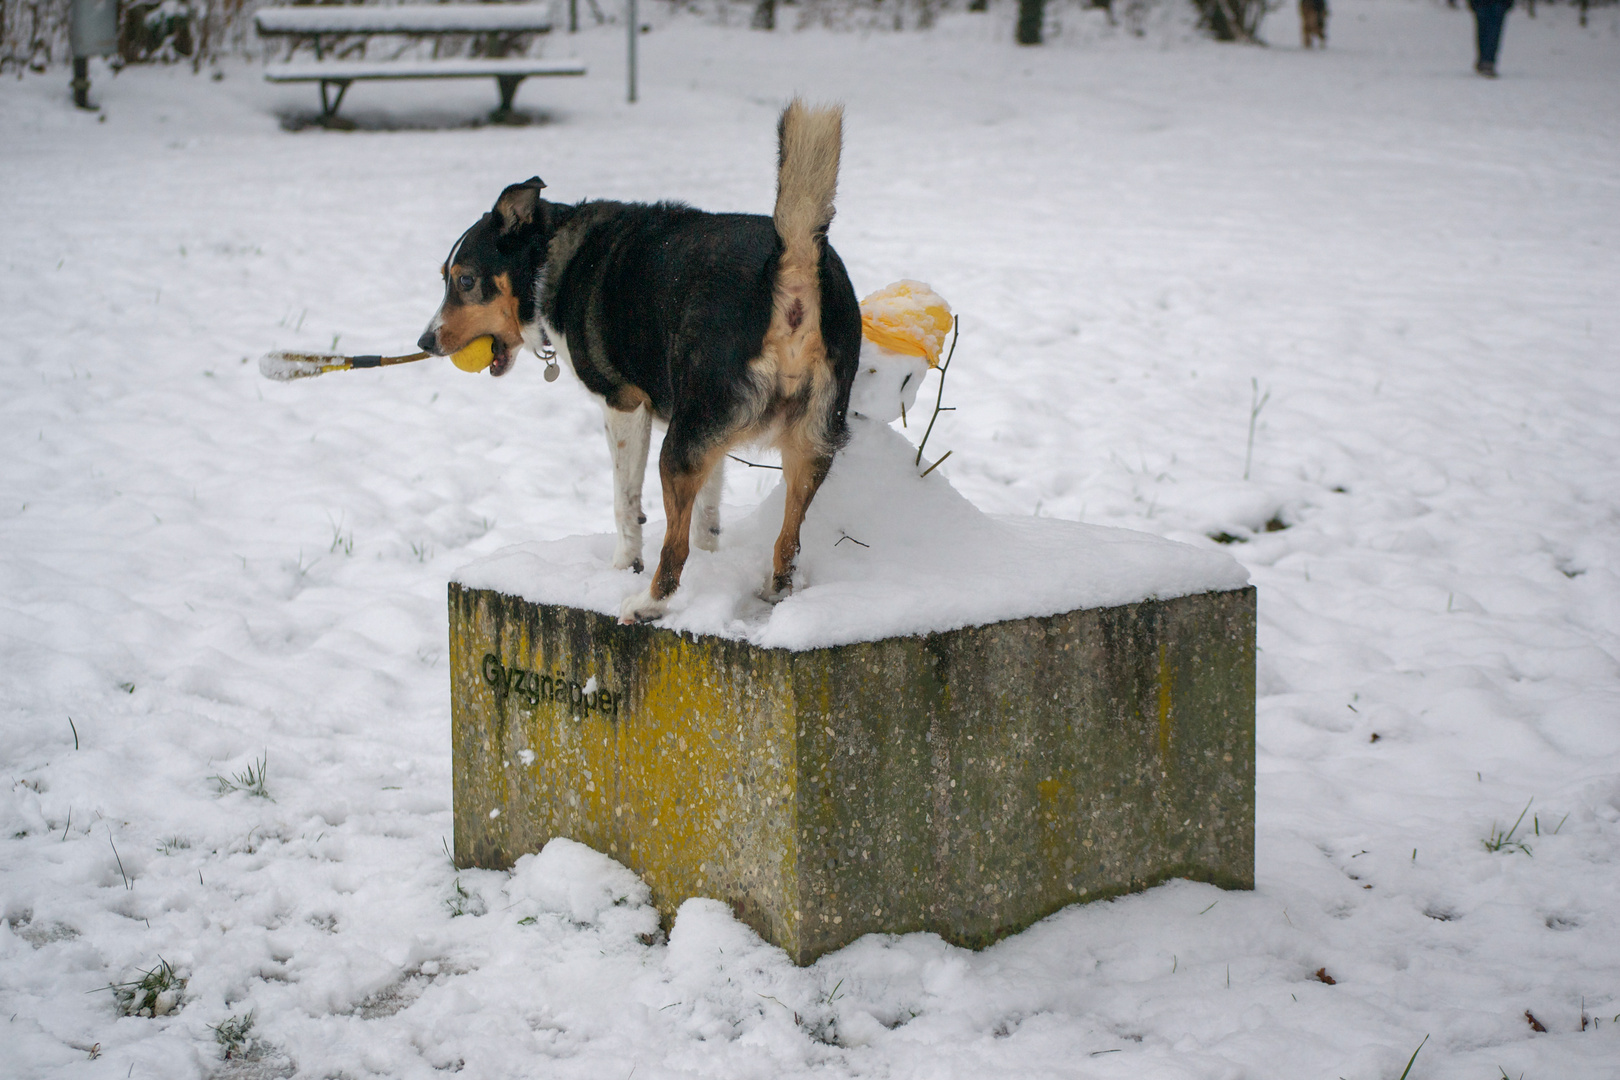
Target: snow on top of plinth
(884, 554)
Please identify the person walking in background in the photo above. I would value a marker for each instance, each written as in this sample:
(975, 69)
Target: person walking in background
(1313, 22)
(1488, 18)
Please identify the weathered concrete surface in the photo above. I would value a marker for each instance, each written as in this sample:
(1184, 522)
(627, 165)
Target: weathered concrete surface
(968, 783)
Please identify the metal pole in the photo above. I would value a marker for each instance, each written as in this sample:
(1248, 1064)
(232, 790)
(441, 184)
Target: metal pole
(633, 21)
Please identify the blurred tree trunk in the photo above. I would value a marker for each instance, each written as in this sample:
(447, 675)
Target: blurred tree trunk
(1031, 14)
(765, 15)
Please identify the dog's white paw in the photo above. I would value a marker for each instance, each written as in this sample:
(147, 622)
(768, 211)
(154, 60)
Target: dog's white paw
(774, 592)
(707, 539)
(627, 556)
(640, 607)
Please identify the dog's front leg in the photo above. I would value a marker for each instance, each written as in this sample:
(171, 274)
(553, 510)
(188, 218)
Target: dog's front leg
(628, 435)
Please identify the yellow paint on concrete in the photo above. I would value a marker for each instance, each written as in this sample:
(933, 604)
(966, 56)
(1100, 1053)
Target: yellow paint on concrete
(688, 781)
(1059, 818)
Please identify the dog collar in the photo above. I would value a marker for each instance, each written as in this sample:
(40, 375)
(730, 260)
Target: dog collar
(548, 353)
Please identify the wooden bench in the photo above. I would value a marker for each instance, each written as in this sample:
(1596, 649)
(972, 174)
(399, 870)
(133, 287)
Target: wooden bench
(329, 30)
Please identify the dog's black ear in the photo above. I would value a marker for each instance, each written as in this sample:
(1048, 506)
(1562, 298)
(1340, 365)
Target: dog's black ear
(517, 205)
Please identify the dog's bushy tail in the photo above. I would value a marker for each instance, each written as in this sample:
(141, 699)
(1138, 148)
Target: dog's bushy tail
(810, 140)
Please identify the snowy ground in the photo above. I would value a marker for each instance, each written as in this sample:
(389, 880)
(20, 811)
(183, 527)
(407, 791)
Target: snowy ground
(201, 569)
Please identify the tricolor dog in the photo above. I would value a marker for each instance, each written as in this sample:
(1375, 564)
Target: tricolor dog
(729, 329)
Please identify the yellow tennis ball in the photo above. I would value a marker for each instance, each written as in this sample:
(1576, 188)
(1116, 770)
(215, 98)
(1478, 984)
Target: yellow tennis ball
(476, 355)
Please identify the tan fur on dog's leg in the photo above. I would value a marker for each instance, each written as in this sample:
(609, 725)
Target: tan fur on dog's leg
(803, 471)
(681, 488)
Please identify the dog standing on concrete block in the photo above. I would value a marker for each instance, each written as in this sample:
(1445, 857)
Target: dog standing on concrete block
(729, 329)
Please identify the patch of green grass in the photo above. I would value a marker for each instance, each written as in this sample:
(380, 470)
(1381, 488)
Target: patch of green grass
(462, 902)
(156, 993)
(236, 1036)
(251, 780)
(341, 540)
(1560, 825)
(1500, 841)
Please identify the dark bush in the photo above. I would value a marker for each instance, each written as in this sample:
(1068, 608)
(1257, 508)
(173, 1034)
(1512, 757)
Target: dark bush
(1232, 20)
(156, 30)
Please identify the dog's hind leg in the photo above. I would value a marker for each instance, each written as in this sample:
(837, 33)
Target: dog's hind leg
(683, 480)
(706, 518)
(628, 435)
(803, 470)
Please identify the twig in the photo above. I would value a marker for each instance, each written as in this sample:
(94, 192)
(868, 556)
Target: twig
(75, 733)
(956, 324)
(1256, 403)
(938, 463)
(754, 465)
(842, 536)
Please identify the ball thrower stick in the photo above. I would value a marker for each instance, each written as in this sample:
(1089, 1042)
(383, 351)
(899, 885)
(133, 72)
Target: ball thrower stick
(285, 366)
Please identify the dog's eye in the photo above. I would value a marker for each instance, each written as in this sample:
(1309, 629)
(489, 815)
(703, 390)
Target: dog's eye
(466, 282)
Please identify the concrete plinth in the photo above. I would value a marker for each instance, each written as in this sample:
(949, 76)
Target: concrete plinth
(968, 782)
